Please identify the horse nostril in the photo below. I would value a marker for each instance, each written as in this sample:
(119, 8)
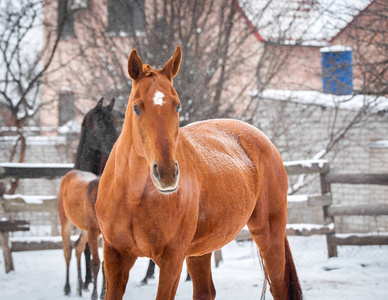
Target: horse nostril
(156, 172)
(176, 170)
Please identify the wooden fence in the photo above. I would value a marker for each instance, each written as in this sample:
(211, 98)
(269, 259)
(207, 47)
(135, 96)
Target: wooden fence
(319, 168)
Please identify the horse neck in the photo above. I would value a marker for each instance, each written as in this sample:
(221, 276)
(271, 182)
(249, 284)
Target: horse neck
(126, 155)
(88, 159)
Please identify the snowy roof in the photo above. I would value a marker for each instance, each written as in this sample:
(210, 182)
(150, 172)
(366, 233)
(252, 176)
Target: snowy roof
(70, 127)
(347, 102)
(307, 22)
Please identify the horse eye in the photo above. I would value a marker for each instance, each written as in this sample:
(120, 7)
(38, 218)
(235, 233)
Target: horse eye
(137, 110)
(178, 108)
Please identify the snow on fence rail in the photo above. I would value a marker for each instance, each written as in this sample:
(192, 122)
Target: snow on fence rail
(324, 199)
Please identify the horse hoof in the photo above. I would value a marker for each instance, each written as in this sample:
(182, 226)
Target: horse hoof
(94, 295)
(143, 282)
(85, 286)
(67, 290)
(102, 296)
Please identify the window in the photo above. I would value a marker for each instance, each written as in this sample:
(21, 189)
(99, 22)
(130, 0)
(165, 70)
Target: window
(65, 19)
(125, 16)
(66, 108)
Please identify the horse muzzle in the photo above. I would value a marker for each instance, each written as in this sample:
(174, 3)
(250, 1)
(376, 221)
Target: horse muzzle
(165, 178)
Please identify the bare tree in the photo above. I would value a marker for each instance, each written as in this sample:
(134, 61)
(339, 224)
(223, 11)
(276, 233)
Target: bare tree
(22, 66)
(213, 36)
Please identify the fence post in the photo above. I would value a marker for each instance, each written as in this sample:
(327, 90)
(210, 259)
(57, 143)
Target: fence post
(4, 236)
(326, 189)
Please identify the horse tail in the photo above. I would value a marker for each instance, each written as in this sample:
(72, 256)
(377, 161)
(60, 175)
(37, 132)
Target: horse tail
(266, 276)
(291, 277)
(92, 191)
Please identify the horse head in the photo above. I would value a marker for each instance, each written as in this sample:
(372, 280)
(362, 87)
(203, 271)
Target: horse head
(100, 126)
(154, 115)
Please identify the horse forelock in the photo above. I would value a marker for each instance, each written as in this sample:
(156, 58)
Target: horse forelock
(148, 70)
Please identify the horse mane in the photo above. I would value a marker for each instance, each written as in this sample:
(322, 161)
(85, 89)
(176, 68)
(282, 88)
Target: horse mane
(78, 156)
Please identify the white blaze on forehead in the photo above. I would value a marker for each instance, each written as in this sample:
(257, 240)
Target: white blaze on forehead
(158, 98)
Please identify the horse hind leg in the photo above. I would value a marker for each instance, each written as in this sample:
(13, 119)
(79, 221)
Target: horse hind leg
(199, 268)
(88, 276)
(103, 289)
(67, 249)
(275, 252)
(150, 272)
(93, 235)
(79, 249)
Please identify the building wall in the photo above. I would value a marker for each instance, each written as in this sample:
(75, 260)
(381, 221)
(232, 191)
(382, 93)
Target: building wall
(301, 131)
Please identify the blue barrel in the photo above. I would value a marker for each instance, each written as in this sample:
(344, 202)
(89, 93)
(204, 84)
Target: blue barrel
(337, 70)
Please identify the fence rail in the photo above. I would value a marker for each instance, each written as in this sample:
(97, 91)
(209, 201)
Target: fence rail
(23, 170)
(324, 199)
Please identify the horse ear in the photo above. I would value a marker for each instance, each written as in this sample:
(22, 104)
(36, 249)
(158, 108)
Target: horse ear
(99, 104)
(135, 65)
(111, 104)
(171, 67)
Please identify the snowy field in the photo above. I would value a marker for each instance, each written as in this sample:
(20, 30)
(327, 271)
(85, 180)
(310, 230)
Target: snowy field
(359, 273)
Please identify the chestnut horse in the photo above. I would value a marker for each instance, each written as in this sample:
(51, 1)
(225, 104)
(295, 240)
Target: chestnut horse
(171, 193)
(78, 189)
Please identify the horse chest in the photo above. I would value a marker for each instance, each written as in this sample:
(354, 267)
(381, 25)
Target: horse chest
(151, 225)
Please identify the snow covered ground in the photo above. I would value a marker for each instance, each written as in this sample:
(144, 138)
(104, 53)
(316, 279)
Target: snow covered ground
(358, 273)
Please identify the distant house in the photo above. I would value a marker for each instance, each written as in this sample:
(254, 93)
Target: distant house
(308, 26)
(301, 28)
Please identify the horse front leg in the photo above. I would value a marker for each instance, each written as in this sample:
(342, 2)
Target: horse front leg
(199, 268)
(117, 267)
(170, 271)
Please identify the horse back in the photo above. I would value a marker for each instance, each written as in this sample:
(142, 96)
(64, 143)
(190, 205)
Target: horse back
(223, 147)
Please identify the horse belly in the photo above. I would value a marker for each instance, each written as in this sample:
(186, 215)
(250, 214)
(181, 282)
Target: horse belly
(223, 212)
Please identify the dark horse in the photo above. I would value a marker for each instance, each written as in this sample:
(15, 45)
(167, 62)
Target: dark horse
(98, 135)
(171, 193)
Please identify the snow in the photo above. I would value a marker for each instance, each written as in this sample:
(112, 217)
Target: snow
(70, 127)
(346, 102)
(379, 144)
(36, 165)
(335, 48)
(359, 273)
(310, 23)
(297, 198)
(36, 140)
(31, 199)
(305, 163)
